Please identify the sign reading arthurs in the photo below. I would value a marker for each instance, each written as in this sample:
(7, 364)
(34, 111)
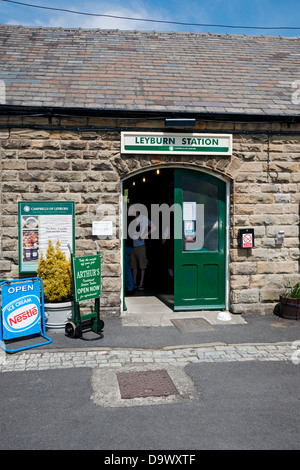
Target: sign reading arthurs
(189, 144)
(87, 277)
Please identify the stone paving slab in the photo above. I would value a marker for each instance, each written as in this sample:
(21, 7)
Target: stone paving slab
(116, 357)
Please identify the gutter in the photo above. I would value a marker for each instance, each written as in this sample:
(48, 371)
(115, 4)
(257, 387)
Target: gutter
(145, 114)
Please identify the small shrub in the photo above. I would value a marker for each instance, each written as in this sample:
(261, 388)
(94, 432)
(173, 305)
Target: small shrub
(56, 274)
(293, 291)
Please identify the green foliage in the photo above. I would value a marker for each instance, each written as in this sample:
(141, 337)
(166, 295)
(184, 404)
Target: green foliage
(293, 291)
(56, 274)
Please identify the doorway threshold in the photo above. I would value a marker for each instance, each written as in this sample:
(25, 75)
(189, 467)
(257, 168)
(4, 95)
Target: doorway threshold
(151, 311)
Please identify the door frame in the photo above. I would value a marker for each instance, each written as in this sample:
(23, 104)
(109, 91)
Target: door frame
(227, 228)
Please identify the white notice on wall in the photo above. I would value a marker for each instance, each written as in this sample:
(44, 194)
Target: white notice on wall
(54, 228)
(189, 211)
(103, 227)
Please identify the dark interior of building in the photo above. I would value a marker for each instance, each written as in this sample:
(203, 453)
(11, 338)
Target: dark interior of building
(152, 188)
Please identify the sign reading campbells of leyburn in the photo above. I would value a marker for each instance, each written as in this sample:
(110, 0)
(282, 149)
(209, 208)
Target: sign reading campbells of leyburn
(165, 143)
(39, 222)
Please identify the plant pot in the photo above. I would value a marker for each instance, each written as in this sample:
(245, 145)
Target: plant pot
(289, 308)
(58, 314)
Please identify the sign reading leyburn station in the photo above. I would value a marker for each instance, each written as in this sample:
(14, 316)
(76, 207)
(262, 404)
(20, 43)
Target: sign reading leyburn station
(189, 144)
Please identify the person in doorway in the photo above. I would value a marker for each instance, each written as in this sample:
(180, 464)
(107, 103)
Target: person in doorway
(168, 244)
(129, 284)
(138, 256)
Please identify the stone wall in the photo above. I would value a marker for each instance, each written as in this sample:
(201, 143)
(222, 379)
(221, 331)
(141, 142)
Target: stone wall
(265, 196)
(79, 159)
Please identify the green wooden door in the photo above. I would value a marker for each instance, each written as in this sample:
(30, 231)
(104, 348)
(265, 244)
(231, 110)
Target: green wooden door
(199, 241)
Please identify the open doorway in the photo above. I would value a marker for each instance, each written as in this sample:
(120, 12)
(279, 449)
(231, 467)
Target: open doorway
(197, 254)
(154, 189)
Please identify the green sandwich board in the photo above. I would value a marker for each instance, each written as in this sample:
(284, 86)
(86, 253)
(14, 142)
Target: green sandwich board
(86, 272)
(87, 277)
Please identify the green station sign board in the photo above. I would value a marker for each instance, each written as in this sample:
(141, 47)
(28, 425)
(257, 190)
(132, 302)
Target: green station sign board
(87, 277)
(166, 143)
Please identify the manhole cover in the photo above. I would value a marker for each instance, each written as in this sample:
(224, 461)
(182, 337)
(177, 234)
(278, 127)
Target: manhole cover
(190, 325)
(153, 383)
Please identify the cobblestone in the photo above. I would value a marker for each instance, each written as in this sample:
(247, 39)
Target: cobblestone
(63, 359)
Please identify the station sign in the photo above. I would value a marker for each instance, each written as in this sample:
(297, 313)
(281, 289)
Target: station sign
(166, 143)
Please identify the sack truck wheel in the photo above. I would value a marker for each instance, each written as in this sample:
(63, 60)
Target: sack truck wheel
(70, 329)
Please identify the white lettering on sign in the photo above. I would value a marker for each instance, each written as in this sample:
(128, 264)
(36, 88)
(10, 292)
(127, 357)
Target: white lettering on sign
(88, 273)
(24, 288)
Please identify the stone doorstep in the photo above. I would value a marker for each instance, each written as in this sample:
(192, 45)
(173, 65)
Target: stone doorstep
(150, 311)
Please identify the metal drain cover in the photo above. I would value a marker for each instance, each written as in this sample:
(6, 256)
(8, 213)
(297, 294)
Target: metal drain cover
(141, 384)
(192, 325)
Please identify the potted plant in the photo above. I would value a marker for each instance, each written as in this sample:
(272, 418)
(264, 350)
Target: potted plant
(55, 271)
(290, 302)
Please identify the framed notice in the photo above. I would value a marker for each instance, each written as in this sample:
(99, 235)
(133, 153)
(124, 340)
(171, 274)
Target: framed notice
(40, 222)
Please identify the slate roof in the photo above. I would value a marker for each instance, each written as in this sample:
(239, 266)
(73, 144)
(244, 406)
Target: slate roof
(149, 71)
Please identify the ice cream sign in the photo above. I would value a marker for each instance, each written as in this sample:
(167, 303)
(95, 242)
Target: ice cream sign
(21, 309)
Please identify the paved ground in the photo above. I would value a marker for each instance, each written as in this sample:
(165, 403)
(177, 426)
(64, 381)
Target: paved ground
(222, 405)
(237, 385)
(151, 332)
(37, 359)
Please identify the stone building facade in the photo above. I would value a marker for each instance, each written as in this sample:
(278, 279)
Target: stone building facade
(86, 166)
(77, 157)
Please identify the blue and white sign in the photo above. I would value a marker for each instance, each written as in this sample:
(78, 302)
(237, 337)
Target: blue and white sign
(21, 309)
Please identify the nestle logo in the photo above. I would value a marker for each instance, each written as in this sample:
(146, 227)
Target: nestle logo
(24, 318)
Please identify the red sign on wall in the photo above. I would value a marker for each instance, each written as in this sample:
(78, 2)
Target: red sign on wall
(247, 240)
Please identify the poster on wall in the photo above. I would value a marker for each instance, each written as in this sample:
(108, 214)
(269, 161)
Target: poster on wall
(40, 222)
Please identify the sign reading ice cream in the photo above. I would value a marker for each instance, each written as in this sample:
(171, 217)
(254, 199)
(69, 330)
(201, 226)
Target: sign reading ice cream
(21, 309)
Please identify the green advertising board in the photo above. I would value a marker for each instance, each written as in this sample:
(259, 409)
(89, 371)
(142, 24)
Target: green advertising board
(39, 222)
(87, 277)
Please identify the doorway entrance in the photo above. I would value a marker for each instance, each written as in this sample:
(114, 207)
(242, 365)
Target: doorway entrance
(187, 250)
(150, 191)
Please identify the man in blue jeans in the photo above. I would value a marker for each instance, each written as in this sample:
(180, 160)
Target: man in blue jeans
(138, 257)
(129, 284)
